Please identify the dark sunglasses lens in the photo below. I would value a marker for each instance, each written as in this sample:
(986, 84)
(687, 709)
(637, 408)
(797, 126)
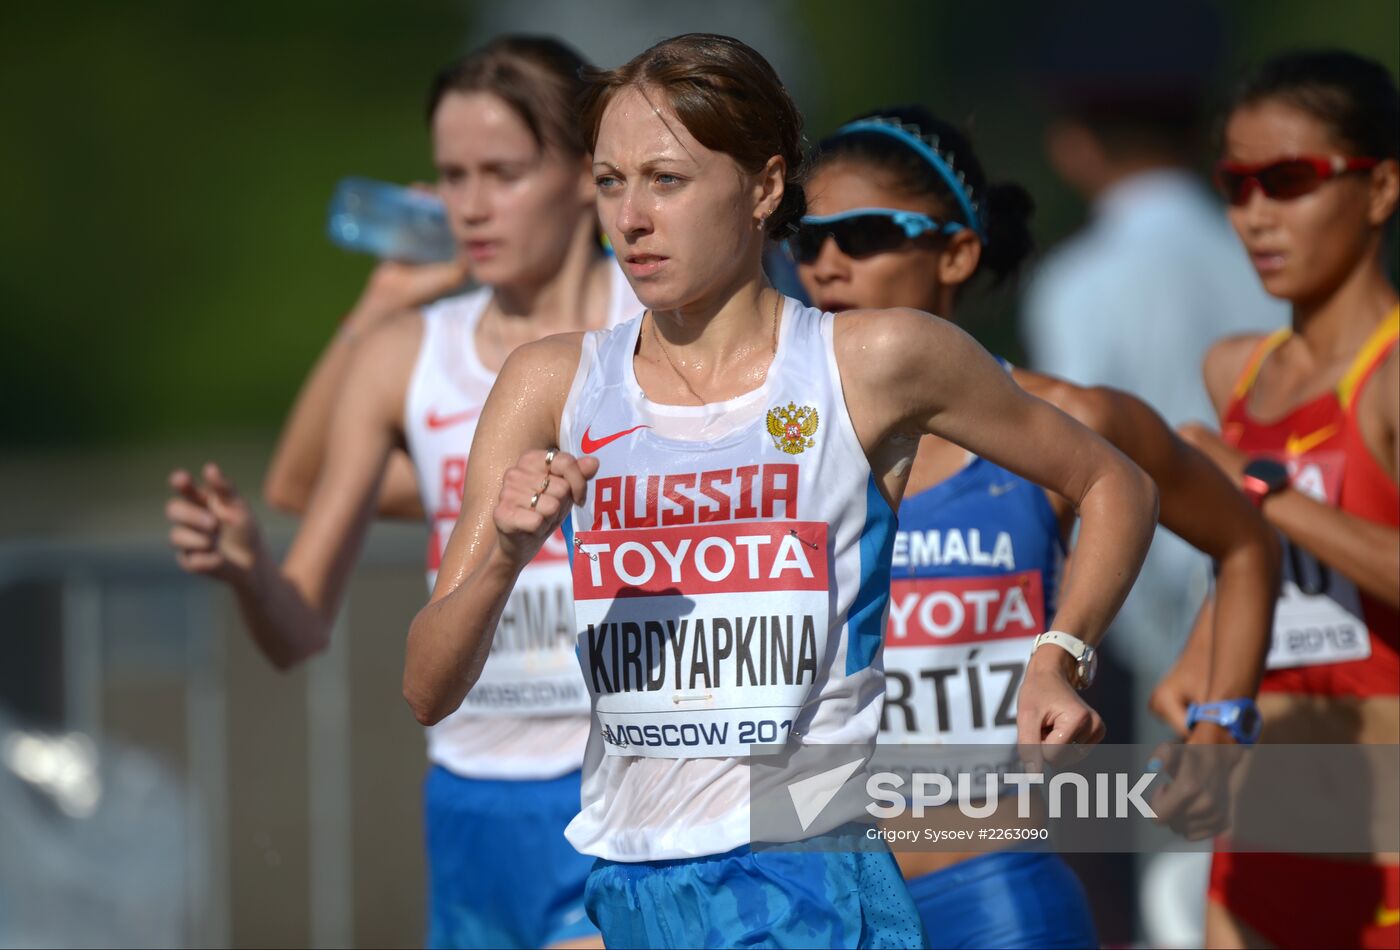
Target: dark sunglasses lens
(1281, 180)
(867, 235)
(1289, 179)
(806, 244)
(860, 236)
(1233, 185)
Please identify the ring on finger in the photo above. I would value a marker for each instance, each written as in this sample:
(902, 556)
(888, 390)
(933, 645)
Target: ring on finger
(534, 500)
(544, 486)
(549, 458)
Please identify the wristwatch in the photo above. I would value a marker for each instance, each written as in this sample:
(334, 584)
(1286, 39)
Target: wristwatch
(1239, 717)
(1264, 477)
(1087, 656)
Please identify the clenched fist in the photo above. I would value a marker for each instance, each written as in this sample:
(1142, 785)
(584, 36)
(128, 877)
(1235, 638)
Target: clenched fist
(536, 496)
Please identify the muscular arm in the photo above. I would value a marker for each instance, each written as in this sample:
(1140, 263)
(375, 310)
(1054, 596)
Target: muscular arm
(393, 291)
(1188, 681)
(301, 448)
(450, 637)
(917, 374)
(1365, 552)
(910, 373)
(1201, 506)
(289, 608)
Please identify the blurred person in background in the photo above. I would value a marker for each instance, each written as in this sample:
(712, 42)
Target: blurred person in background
(901, 214)
(515, 176)
(1133, 300)
(1310, 430)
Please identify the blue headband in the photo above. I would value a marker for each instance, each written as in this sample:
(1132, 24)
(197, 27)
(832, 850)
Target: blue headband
(954, 180)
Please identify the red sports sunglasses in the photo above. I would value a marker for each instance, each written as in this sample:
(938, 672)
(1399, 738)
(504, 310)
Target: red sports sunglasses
(1286, 178)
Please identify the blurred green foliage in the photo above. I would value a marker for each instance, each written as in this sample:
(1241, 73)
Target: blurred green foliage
(166, 166)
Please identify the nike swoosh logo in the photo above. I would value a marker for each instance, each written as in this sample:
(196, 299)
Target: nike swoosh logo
(591, 445)
(1299, 445)
(998, 490)
(436, 421)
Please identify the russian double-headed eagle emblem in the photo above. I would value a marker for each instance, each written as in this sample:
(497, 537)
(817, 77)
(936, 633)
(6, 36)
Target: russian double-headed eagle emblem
(792, 427)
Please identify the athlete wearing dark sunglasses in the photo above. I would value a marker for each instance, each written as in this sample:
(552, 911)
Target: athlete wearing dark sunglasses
(1008, 897)
(862, 232)
(1284, 179)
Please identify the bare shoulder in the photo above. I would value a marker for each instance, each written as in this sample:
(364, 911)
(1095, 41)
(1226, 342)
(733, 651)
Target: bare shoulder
(1387, 385)
(883, 344)
(391, 344)
(537, 376)
(549, 355)
(1224, 362)
(900, 368)
(381, 366)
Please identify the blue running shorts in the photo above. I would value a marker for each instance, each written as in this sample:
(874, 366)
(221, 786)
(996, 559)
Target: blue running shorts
(500, 872)
(1005, 899)
(745, 898)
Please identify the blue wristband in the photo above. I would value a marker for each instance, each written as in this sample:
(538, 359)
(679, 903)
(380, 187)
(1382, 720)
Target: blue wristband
(1239, 717)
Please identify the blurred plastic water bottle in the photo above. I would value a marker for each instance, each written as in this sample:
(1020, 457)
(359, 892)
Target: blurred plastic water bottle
(390, 221)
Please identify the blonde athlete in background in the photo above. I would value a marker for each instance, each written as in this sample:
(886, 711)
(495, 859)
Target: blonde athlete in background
(504, 782)
(727, 466)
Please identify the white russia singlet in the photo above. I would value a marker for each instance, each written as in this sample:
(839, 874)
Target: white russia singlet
(527, 717)
(731, 581)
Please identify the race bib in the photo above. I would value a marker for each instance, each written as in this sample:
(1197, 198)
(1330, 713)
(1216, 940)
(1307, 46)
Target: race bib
(1318, 617)
(532, 669)
(703, 640)
(955, 655)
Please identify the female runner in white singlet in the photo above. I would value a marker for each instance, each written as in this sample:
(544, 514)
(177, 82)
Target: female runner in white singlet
(732, 552)
(505, 767)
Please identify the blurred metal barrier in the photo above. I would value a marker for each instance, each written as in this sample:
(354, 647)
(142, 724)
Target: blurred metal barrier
(302, 823)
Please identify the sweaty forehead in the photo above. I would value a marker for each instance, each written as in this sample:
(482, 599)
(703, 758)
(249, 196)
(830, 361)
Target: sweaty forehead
(638, 126)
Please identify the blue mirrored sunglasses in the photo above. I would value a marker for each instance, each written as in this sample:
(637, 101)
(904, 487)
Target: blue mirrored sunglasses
(862, 232)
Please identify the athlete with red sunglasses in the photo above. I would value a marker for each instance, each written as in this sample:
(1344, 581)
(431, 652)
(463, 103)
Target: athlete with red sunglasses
(1310, 420)
(1284, 178)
